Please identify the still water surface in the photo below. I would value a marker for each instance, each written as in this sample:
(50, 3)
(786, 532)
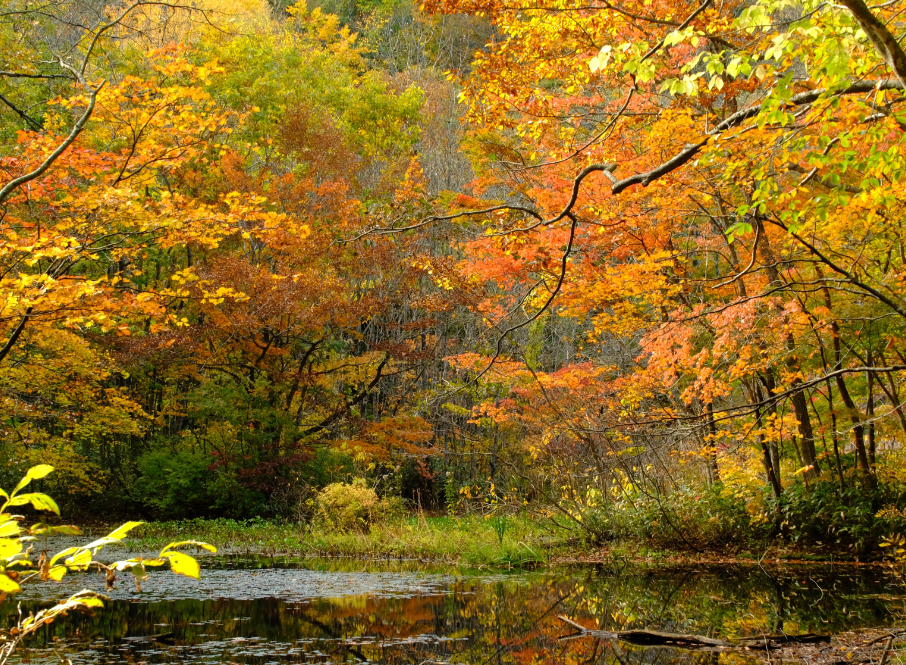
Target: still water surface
(260, 611)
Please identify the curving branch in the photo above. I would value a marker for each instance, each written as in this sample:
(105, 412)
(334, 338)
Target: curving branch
(690, 150)
(882, 39)
(336, 415)
(12, 185)
(14, 337)
(550, 299)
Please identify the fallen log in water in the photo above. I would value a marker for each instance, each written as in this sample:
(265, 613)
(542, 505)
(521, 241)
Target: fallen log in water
(653, 638)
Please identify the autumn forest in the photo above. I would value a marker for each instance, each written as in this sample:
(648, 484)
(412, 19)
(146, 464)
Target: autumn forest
(635, 269)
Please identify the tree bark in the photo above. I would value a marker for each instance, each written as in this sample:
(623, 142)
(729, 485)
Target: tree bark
(711, 448)
(881, 38)
(800, 406)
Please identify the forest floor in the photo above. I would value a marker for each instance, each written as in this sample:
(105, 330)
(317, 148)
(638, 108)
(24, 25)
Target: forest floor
(877, 645)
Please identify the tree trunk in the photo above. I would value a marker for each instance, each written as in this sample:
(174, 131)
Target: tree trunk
(800, 406)
(711, 448)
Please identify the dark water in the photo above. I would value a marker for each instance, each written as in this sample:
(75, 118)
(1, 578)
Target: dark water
(252, 611)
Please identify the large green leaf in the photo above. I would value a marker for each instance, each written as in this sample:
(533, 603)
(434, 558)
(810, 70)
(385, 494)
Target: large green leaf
(114, 536)
(139, 572)
(60, 555)
(80, 559)
(57, 572)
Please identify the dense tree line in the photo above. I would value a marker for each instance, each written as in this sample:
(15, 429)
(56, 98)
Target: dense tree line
(611, 258)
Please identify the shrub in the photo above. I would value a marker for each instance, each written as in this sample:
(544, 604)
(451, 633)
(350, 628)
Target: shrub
(716, 518)
(352, 507)
(687, 518)
(827, 515)
(174, 483)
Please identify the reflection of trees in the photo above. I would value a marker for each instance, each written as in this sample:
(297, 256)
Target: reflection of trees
(501, 621)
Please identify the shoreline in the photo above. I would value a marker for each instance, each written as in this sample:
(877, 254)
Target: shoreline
(468, 542)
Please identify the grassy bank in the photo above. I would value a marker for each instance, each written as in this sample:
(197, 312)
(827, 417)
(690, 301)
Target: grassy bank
(466, 540)
(469, 541)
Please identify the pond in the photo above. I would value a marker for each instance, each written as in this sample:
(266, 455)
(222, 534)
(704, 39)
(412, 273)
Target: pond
(257, 611)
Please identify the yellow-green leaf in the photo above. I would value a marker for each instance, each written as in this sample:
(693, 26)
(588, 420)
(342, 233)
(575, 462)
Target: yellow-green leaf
(34, 473)
(9, 547)
(60, 555)
(39, 501)
(8, 529)
(89, 602)
(39, 471)
(195, 543)
(123, 530)
(56, 573)
(80, 558)
(43, 529)
(183, 564)
(8, 585)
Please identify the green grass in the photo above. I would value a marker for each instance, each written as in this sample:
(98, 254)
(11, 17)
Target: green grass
(470, 541)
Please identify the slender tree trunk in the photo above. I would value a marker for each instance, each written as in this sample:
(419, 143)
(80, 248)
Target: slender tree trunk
(854, 416)
(870, 412)
(882, 39)
(800, 406)
(892, 394)
(711, 448)
(833, 415)
(770, 385)
(14, 337)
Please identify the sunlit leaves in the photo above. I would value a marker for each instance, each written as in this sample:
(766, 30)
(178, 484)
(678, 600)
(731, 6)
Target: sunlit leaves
(34, 473)
(8, 584)
(38, 501)
(183, 564)
(9, 547)
(9, 528)
(120, 532)
(194, 543)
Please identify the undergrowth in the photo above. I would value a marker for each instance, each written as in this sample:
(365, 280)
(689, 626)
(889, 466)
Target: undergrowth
(469, 540)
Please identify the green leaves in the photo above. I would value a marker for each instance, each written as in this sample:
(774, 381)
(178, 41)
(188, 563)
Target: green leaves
(37, 500)
(737, 230)
(687, 85)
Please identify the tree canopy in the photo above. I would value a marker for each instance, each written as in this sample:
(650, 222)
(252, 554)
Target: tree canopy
(597, 253)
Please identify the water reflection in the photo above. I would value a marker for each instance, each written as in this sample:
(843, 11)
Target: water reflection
(333, 613)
